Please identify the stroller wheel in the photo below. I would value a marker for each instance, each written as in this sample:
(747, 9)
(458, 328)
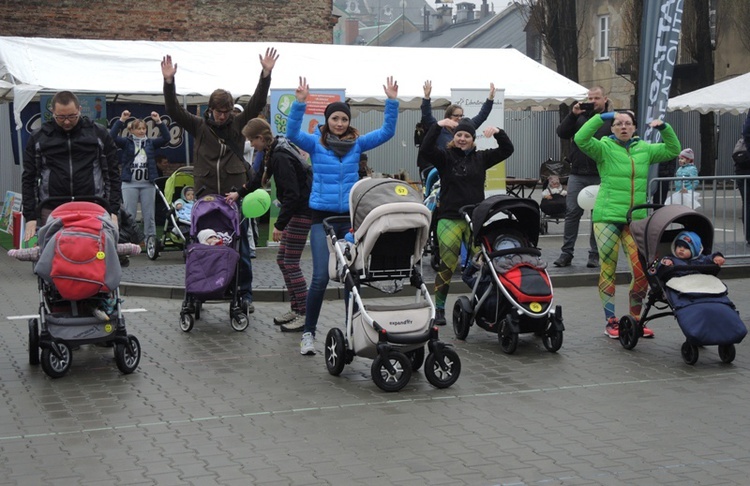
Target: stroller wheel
(186, 322)
(335, 351)
(33, 341)
(393, 375)
(727, 353)
(152, 247)
(416, 357)
(461, 317)
(444, 372)
(57, 366)
(629, 332)
(553, 340)
(128, 356)
(240, 321)
(507, 337)
(689, 353)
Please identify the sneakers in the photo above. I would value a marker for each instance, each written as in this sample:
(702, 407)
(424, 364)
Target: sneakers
(612, 329)
(564, 260)
(284, 318)
(440, 317)
(593, 261)
(647, 333)
(295, 325)
(307, 345)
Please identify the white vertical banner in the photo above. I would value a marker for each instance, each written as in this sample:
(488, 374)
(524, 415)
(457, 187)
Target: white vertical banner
(471, 100)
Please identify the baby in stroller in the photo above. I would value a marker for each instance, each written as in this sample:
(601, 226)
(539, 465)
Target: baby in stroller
(184, 206)
(390, 226)
(211, 262)
(674, 244)
(554, 175)
(78, 277)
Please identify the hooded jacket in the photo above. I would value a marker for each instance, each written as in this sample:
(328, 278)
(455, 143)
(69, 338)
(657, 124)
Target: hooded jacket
(462, 175)
(127, 144)
(334, 176)
(80, 162)
(580, 163)
(623, 168)
(218, 163)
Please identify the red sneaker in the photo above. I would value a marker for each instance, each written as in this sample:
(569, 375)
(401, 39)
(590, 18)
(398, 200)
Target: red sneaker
(647, 333)
(612, 329)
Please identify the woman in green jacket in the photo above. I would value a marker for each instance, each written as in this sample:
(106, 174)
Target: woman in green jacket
(623, 162)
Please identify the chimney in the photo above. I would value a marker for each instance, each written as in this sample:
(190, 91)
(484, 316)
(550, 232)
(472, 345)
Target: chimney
(351, 31)
(484, 10)
(464, 12)
(443, 16)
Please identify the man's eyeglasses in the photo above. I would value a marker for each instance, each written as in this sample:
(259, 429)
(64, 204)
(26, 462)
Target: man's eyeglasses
(66, 117)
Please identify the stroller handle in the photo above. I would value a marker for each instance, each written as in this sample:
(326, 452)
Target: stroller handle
(466, 211)
(330, 221)
(59, 200)
(629, 216)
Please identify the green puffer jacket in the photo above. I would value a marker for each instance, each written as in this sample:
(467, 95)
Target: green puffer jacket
(623, 169)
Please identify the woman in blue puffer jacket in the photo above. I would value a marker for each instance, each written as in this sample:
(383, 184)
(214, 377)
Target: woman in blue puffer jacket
(335, 155)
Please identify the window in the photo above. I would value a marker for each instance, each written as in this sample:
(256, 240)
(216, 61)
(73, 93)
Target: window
(603, 37)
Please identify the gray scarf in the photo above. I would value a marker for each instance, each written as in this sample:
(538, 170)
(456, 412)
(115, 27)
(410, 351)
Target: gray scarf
(339, 147)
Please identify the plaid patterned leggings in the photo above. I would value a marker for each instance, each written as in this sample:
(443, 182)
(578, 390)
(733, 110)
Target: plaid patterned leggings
(609, 236)
(293, 240)
(451, 233)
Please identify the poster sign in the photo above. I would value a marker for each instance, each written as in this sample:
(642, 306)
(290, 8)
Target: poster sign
(11, 204)
(471, 100)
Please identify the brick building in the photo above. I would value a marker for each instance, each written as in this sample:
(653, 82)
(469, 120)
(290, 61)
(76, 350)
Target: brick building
(308, 21)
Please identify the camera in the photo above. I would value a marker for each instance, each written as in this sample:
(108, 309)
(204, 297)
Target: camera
(585, 106)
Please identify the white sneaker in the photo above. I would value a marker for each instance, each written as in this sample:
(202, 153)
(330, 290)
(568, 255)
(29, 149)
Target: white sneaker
(284, 318)
(307, 345)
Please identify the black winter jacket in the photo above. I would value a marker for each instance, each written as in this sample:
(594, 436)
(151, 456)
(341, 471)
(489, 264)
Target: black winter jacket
(581, 164)
(81, 162)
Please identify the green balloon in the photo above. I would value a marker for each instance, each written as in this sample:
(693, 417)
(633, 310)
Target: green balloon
(255, 204)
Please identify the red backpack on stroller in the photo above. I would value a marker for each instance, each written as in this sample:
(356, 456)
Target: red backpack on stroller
(79, 251)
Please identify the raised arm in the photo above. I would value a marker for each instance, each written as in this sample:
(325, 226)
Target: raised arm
(294, 131)
(388, 130)
(484, 112)
(174, 109)
(257, 102)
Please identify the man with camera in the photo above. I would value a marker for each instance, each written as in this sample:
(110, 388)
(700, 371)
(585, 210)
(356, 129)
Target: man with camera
(583, 172)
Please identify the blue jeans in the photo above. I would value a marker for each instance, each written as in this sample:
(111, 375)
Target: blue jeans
(573, 213)
(319, 281)
(246, 263)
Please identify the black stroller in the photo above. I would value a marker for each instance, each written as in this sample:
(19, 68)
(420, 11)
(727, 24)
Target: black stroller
(511, 290)
(691, 293)
(553, 210)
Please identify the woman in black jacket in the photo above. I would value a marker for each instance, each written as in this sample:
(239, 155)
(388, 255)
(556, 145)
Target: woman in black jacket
(463, 171)
(293, 177)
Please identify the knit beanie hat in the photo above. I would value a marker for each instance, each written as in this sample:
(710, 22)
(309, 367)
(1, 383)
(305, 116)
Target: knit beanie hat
(688, 154)
(466, 125)
(337, 106)
(691, 240)
(204, 235)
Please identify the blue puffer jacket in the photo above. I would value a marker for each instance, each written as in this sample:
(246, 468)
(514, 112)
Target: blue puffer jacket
(334, 176)
(128, 147)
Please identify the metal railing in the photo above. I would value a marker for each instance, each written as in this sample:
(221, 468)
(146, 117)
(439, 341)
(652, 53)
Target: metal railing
(719, 198)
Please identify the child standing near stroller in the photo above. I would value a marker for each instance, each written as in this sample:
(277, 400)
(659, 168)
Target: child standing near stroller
(463, 171)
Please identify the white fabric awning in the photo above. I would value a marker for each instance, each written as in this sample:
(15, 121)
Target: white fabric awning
(731, 96)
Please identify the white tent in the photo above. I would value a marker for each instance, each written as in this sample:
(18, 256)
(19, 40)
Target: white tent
(731, 96)
(131, 70)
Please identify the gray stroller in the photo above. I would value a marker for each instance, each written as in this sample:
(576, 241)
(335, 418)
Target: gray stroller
(390, 228)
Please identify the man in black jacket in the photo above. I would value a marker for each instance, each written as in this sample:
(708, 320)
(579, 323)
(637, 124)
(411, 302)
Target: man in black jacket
(583, 172)
(68, 156)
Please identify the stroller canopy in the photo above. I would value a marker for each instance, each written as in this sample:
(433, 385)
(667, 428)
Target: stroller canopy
(368, 194)
(649, 232)
(182, 177)
(525, 211)
(213, 212)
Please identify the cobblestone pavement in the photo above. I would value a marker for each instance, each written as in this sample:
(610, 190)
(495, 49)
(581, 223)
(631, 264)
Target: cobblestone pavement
(215, 406)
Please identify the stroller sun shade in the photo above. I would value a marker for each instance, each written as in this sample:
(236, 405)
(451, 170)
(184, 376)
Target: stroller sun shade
(369, 194)
(525, 211)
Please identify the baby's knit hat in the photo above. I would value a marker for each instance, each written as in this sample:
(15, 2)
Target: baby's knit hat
(204, 235)
(691, 240)
(688, 154)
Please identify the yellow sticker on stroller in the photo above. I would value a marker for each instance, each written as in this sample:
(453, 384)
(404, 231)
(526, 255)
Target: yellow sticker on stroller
(100, 255)
(402, 191)
(535, 306)
(108, 328)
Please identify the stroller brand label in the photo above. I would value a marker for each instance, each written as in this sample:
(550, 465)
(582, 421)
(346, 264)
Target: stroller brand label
(401, 323)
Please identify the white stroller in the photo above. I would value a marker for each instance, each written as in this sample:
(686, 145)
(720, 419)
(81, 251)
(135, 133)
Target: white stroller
(390, 226)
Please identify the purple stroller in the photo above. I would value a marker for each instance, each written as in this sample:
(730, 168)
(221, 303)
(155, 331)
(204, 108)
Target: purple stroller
(211, 271)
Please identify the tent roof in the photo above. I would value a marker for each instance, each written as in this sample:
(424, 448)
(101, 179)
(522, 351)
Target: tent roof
(731, 96)
(131, 69)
